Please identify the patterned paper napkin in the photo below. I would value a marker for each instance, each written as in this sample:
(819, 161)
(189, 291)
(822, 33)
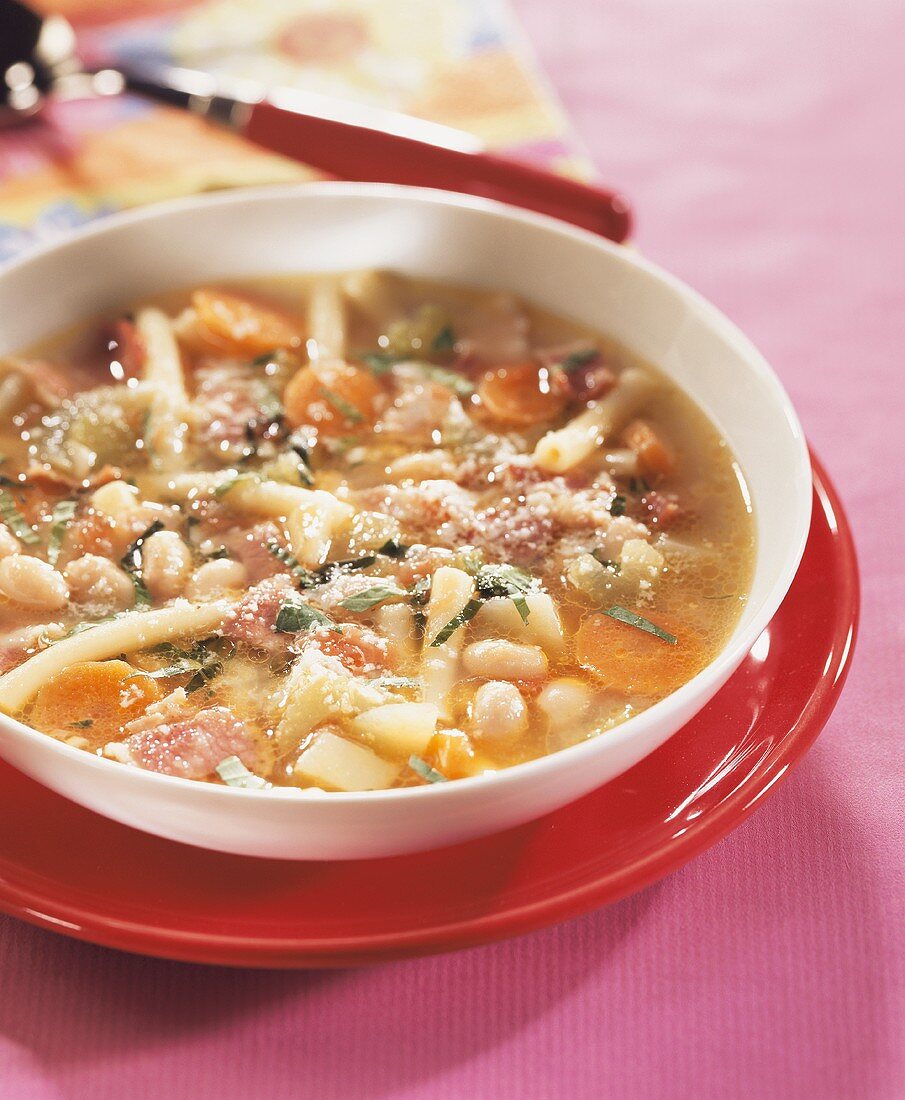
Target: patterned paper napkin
(460, 62)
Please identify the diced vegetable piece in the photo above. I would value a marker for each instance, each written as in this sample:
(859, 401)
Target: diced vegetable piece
(639, 561)
(519, 395)
(627, 659)
(314, 523)
(450, 594)
(454, 755)
(500, 616)
(654, 457)
(250, 325)
(319, 690)
(428, 330)
(398, 729)
(100, 696)
(336, 764)
(335, 397)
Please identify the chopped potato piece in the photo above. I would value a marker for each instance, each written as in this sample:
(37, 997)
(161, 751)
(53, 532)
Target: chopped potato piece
(336, 764)
(398, 729)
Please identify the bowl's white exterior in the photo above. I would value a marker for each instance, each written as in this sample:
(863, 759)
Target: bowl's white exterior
(322, 227)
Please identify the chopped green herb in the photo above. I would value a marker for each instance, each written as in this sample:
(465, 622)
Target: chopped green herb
(234, 774)
(224, 487)
(62, 513)
(638, 485)
(216, 555)
(83, 724)
(426, 771)
(445, 340)
(378, 593)
(342, 406)
(88, 624)
(420, 590)
(303, 453)
(638, 621)
(506, 580)
(396, 683)
(131, 562)
(266, 357)
(295, 615)
(303, 575)
(180, 668)
(458, 383)
(204, 664)
(380, 362)
(579, 359)
(608, 563)
(393, 548)
(15, 521)
(346, 565)
(467, 613)
(617, 506)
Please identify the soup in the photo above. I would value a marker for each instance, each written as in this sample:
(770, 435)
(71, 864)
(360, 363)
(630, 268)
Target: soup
(353, 532)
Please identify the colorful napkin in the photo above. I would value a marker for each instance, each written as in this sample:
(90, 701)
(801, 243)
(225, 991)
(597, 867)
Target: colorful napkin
(460, 62)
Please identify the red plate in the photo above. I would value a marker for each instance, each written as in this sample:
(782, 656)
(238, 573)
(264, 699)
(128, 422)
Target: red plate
(65, 868)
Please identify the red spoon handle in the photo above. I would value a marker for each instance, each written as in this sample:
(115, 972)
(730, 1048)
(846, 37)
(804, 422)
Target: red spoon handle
(350, 152)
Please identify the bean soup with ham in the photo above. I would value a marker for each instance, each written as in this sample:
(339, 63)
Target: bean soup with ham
(353, 532)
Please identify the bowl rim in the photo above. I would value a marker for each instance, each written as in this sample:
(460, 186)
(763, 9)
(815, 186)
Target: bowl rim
(706, 681)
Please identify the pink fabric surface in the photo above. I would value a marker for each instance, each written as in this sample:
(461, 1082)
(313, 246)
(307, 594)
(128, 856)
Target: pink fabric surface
(762, 146)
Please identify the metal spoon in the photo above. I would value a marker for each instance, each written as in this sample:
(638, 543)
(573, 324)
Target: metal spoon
(38, 59)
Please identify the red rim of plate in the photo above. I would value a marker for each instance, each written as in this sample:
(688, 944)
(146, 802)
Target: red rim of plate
(39, 903)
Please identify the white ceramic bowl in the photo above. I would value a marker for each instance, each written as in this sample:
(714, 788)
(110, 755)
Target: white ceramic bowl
(338, 226)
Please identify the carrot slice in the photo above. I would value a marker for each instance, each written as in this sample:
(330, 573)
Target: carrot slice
(519, 394)
(335, 397)
(248, 324)
(94, 700)
(627, 659)
(654, 457)
(451, 753)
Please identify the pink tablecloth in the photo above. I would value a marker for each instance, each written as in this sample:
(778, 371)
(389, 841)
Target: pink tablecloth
(763, 147)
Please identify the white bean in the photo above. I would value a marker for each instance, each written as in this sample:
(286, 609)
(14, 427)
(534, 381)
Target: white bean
(504, 660)
(215, 578)
(499, 711)
(9, 544)
(33, 582)
(98, 582)
(565, 701)
(166, 563)
(116, 499)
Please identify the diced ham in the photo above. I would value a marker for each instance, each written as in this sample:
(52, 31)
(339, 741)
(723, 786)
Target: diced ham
(358, 649)
(514, 533)
(577, 370)
(421, 409)
(192, 746)
(236, 405)
(660, 510)
(423, 561)
(253, 621)
(15, 647)
(251, 549)
(126, 347)
(496, 331)
(341, 585)
(521, 528)
(585, 383)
